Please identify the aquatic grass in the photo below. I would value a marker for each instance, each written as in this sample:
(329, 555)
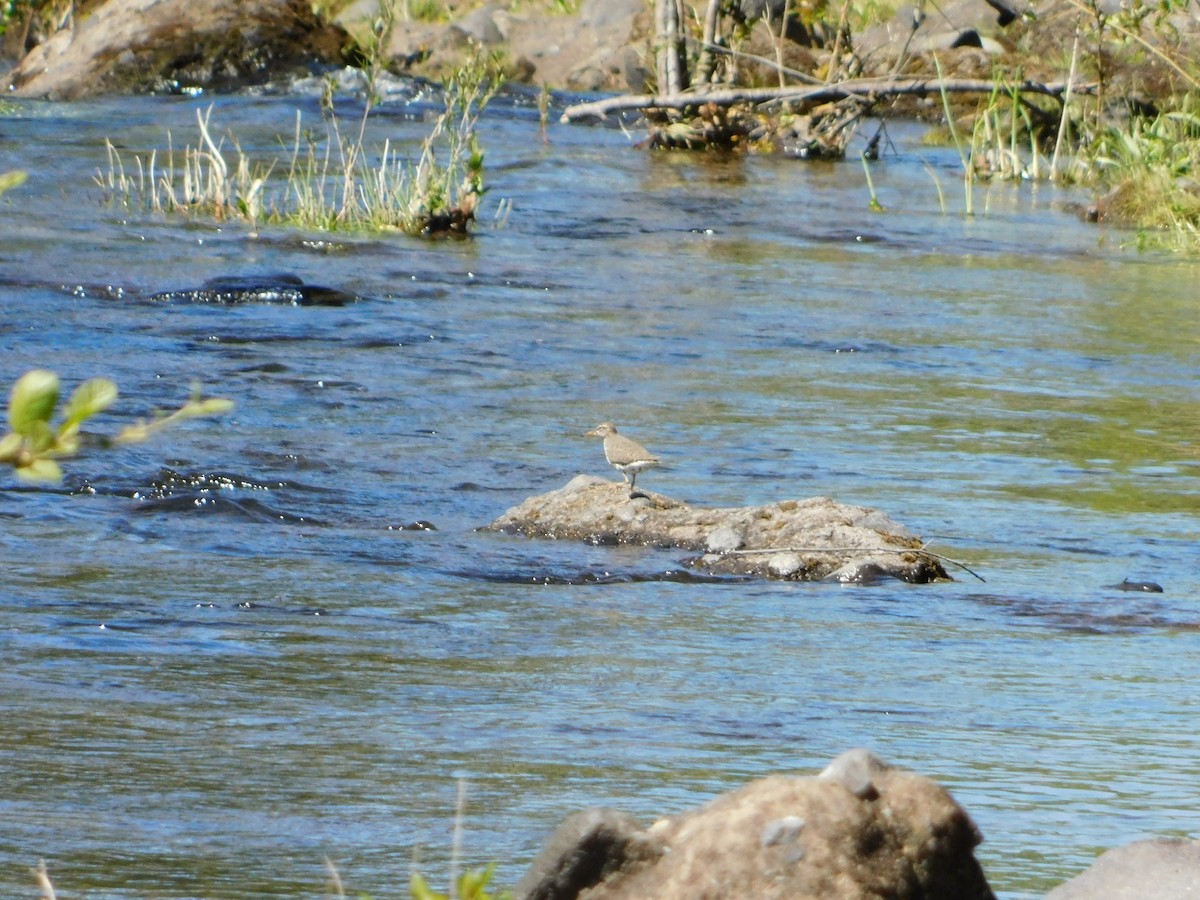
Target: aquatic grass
(470, 884)
(1005, 139)
(1008, 133)
(1004, 144)
(205, 182)
(937, 184)
(874, 205)
(337, 187)
(331, 183)
(964, 157)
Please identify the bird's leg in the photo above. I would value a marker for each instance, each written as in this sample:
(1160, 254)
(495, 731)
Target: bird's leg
(632, 483)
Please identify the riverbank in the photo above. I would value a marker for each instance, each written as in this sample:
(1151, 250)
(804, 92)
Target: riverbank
(1112, 111)
(592, 45)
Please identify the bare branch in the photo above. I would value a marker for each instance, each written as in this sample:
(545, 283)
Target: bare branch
(872, 90)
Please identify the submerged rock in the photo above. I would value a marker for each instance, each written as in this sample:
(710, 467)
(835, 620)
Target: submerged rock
(120, 46)
(285, 290)
(860, 830)
(1157, 869)
(799, 540)
(1145, 587)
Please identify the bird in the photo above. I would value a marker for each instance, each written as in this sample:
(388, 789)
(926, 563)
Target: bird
(627, 456)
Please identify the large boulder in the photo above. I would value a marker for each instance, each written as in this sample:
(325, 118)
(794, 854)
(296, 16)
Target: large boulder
(602, 46)
(121, 46)
(861, 830)
(797, 540)
(1157, 869)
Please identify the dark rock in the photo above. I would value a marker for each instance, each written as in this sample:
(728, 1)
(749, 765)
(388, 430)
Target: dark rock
(161, 45)
(1145, 587)
(285, 290)
(793, 539)
(588, 50)
(486, 25)
(417, 525)
(959, 23)
(1007, 10)
(588, 848)
(1157, 869)
(752, 10)
(860, 831)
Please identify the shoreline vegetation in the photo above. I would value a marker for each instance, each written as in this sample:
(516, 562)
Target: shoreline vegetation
(1117, 112)
(1139, 153)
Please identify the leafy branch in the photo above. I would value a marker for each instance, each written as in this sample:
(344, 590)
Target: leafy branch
(34, 443)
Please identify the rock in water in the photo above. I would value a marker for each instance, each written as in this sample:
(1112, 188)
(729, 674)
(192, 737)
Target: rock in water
(123, 46)
(797, 540)
(1157, 869)
(800, 838)
(284, 290)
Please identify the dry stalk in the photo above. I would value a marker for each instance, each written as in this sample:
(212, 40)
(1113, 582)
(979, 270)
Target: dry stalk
(43, 881)
(1066, 106)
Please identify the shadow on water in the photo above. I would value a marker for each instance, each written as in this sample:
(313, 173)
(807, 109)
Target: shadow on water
(1098, 617)
(532, 572)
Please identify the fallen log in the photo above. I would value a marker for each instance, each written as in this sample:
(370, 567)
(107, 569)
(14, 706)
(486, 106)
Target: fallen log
(869, 89)
(795, 540)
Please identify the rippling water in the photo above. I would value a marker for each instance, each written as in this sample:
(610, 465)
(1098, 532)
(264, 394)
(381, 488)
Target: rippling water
(208, 691)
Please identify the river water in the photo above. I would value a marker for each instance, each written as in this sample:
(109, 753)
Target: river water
(206, 693)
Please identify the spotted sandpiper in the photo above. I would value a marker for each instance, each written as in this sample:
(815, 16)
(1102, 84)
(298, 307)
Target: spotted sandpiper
(627, 456)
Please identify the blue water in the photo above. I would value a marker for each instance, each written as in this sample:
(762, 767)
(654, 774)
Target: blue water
(207, 694)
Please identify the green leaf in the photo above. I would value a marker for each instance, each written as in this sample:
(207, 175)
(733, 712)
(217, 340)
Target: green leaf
(33, 398)
(40, 438)
(473, 883)
(11, 179)
(134, 434)
(67, 442)
(93, 396)
(10, 446)
(40, 470)
(213, 406)
(419, 889)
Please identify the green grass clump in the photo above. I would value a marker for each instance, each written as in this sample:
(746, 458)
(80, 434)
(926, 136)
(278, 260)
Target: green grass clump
(1150, 172)
(331, 183)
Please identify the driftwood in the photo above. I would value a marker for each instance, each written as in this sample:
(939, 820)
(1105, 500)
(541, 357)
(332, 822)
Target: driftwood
(871, 90)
